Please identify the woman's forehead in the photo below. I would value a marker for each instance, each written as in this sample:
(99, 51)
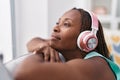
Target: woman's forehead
(72, 14)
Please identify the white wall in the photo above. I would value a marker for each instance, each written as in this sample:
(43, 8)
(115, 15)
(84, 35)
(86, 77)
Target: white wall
(5, 30)
(85, 4)
(30, 21)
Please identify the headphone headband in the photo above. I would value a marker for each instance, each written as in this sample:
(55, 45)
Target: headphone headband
(94, 20)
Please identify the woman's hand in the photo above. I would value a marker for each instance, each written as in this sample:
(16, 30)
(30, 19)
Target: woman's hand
(41, 46)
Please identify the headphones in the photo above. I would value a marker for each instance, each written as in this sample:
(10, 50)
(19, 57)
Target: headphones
(87, 40)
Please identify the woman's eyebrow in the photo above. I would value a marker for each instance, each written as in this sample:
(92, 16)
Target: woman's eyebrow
(65, 19)
(69, 19)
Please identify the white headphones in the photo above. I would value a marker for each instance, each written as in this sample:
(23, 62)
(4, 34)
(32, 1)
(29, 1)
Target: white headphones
(87, 40)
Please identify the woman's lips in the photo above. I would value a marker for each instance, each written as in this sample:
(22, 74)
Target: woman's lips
(55, 37)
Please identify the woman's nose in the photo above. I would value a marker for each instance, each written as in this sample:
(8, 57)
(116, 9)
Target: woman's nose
(56, 29)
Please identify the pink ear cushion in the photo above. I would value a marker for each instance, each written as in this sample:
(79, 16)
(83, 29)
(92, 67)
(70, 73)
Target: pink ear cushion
(80, 39)
(83, 38)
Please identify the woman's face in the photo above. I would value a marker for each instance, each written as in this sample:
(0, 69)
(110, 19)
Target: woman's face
(66, 31)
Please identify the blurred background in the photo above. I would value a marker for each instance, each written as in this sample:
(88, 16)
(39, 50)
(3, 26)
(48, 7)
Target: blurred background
(21, 20)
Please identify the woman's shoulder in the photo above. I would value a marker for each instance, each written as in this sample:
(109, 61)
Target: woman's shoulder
(92, 59)
(84, 64)
(93, 67)
(87, 63)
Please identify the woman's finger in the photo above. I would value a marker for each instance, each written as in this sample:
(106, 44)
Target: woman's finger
(46, 53)
(57, 57)
(52, 55)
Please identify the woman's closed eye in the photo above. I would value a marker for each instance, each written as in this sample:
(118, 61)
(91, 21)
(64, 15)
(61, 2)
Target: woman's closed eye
(66, 24)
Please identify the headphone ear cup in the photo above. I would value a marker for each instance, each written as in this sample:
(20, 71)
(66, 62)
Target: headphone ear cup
(87, 41)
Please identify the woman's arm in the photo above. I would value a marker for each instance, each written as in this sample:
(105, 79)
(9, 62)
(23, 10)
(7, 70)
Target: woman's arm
(38, 45)
(33, 69)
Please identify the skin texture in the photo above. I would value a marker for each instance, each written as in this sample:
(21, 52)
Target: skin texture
(65, 34)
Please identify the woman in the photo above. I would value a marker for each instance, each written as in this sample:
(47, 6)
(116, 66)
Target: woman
(81, 64)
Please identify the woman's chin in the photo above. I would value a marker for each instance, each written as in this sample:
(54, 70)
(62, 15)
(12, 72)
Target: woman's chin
(52, 43)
